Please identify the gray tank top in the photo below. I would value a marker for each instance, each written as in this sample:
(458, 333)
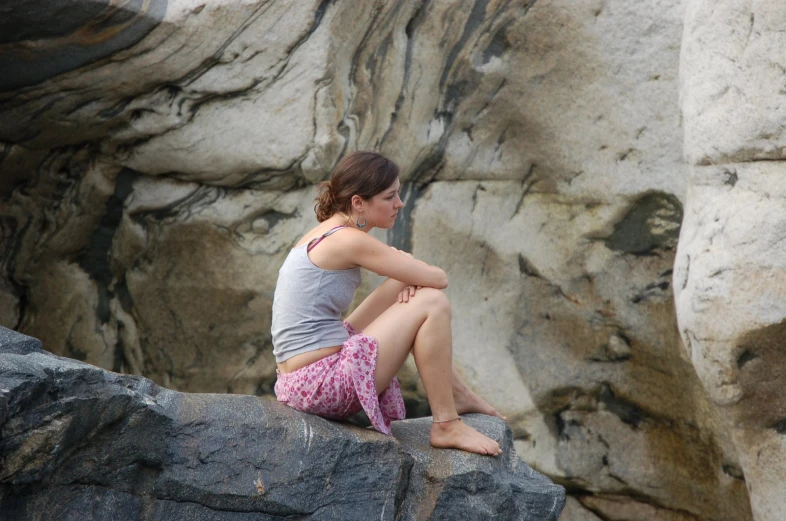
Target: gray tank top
(309, 302)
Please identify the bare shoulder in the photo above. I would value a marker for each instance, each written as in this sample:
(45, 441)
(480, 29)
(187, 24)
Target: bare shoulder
(344, 249)
(314, 233)
(352, 242)
(355, 245)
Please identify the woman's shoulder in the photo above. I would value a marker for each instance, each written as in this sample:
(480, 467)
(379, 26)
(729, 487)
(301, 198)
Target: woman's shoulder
(344, 234)
(314, 233)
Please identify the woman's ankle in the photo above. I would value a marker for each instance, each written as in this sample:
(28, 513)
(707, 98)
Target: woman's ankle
(435, 421)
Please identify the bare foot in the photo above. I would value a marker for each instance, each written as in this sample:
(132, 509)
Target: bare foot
(467, 401)
(458, 435)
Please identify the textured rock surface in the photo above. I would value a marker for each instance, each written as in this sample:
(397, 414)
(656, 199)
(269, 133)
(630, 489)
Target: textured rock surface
(78, 442)
(152, 182)
(732, 81)
(577, 345)
(730, 273)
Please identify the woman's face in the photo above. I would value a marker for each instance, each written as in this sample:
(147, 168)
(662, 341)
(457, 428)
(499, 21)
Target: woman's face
(382, 209)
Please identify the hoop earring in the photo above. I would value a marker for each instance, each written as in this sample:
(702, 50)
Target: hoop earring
(361, 226)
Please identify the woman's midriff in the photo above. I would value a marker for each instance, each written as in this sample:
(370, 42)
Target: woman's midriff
(299, 361)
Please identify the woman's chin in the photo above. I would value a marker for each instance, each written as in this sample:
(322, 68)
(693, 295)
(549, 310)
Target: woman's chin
(385, 226)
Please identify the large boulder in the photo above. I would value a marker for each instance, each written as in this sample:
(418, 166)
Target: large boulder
(79, 442)
(730, 271)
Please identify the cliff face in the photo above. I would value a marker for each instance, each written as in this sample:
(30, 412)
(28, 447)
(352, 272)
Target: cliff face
(79, 442)
(157, 161)
(730, 273)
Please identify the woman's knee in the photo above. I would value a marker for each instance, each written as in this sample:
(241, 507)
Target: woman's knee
(434, 300)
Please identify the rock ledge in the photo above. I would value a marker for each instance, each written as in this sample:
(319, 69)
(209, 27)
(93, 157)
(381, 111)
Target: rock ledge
(79, 442)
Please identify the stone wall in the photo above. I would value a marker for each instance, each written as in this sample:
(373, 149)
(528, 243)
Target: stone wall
(153, 182)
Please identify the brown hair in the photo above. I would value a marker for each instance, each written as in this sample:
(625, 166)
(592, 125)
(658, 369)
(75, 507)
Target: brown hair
(363, 173)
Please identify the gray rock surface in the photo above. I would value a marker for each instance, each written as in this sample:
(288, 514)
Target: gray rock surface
(79, 442)
(15, 342)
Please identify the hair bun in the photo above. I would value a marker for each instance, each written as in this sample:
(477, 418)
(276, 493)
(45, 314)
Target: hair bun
(325, 201)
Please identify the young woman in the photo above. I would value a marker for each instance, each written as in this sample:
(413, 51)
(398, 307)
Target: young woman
(334, 368)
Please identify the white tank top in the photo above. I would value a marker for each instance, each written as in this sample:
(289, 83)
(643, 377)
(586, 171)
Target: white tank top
(309, 302)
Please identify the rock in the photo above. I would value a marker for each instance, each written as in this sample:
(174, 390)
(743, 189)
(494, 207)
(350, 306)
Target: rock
(624, 508)
(79, 442)
(575, 511)
(732, 96)
(157, 160)
(13, 342)
(539, 327)
(730, 270)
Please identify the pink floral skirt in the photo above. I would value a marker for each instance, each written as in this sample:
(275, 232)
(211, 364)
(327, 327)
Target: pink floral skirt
(342, 384)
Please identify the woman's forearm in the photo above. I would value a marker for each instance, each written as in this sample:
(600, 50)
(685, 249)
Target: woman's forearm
(441, 279)
(392, 286)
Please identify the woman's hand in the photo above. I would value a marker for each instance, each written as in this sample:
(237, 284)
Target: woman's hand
(407, 293)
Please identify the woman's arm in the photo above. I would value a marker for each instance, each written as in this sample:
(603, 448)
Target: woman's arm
(374, 255)
(375, 304)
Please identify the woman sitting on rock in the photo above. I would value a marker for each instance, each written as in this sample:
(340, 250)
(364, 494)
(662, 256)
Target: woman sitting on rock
(333, 368)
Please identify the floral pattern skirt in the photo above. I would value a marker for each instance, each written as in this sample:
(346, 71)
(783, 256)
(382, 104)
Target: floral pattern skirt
(340, 385)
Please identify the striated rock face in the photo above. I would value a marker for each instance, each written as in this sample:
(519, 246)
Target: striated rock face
(730, 272)
(157, 161)
(80, 442)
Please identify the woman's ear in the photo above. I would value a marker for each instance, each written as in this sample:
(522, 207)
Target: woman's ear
(357, 203)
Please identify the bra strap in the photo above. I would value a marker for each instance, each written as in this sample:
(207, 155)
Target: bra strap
(313, 242)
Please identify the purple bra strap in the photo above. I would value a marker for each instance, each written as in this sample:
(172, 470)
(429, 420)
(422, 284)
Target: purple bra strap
(313, 242)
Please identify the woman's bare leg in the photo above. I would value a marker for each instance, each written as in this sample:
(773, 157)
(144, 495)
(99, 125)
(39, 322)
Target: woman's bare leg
(422, 326)
(468, 401)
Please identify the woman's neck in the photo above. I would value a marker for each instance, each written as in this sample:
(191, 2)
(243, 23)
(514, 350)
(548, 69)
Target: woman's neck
(342, 219)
